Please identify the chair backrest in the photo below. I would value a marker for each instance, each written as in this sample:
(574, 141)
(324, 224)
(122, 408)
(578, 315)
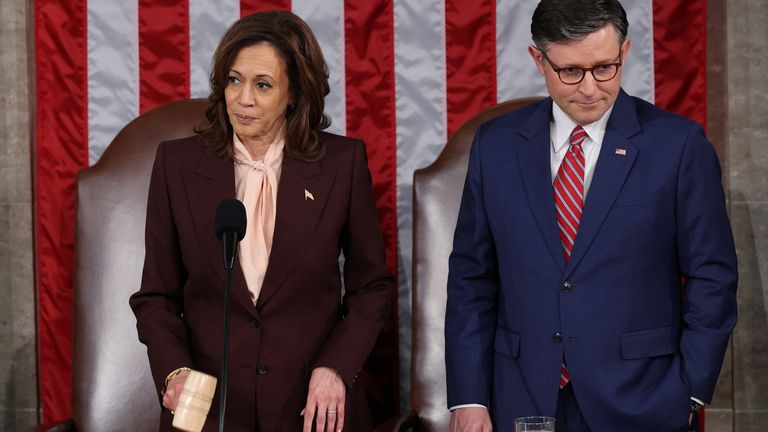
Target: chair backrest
(436, 195)
(112, 385)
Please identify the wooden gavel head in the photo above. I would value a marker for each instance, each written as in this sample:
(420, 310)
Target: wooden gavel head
(194, 402)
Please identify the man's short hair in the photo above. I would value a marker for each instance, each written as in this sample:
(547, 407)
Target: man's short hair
(570, 20)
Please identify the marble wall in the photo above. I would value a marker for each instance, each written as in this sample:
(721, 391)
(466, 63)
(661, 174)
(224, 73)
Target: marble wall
(747, 162)
(18, 381)
(737, 124)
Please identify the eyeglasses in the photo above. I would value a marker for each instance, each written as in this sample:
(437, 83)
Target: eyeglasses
(573, 75)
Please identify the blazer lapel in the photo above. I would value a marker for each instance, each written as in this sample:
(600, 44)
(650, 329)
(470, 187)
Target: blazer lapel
(301, 196)
(211, 182)
(617, 155)
(534, 168)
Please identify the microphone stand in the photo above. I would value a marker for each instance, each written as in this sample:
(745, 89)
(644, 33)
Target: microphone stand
(228, 240)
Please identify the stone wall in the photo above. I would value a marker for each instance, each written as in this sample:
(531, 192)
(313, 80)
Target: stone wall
(18, 380)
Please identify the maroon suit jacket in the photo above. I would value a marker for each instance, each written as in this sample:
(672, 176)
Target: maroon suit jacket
(301, 321)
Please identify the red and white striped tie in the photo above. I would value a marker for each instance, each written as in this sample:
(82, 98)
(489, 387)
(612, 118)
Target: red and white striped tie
(569, 202)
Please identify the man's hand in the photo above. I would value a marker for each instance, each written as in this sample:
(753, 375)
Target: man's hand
(173, 391)
(470, 419)
(325, 401)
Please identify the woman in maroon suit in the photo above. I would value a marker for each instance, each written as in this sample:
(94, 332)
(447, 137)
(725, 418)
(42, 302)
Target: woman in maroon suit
(297, 339)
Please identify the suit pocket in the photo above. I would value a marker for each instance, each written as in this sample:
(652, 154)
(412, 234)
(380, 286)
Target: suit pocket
(650, 343)
(507, 343)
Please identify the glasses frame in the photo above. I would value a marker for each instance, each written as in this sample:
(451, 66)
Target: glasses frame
(584, 71)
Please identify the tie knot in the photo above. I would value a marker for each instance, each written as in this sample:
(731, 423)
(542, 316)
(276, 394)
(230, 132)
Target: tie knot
(577, 136)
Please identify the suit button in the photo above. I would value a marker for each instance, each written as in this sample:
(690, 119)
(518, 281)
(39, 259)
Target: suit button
(566, 287)
(255, 323)
(262, 370)
(557, 337)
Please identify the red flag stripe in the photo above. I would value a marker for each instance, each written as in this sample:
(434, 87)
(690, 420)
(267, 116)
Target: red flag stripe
(470, 38)
(163, 52)
(62, 150)
(248, 7)
(370, 86)
(680, 57)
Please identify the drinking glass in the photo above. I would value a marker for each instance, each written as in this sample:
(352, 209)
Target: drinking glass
(535, 424)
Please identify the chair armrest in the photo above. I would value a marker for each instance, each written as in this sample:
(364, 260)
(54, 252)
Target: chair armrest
(405, 422)
(67, 425)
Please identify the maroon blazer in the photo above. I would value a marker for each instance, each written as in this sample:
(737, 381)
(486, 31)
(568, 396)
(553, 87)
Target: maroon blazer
(301, 320)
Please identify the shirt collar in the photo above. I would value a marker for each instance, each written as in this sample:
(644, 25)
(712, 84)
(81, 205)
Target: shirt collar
(564, 126)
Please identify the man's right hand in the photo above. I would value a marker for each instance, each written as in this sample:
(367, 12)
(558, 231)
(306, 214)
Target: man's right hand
(470, 419)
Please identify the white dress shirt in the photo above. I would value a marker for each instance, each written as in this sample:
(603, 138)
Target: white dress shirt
(559, 134)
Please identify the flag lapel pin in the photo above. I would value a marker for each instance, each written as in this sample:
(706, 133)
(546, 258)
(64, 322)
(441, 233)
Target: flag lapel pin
(621, 152)
(308, 195)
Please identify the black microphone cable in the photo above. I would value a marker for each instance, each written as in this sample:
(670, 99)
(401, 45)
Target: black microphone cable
(230, 229)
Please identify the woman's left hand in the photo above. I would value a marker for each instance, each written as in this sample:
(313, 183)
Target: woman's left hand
(325, 401)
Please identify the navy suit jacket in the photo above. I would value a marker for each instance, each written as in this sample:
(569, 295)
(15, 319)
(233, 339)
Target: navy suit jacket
(638, 346)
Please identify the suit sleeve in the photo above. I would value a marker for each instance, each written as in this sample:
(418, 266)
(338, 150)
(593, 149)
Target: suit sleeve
(158, 303)
(367, 282)
(473, 281)
(707, 260)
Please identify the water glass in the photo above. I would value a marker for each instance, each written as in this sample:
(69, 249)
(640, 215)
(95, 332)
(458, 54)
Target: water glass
(535, 424)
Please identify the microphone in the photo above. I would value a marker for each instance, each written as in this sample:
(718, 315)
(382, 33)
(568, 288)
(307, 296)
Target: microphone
(230, 229)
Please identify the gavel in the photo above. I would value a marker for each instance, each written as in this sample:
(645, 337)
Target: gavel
(194, 402)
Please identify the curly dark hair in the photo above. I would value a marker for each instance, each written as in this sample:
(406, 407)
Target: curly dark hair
(307, 75)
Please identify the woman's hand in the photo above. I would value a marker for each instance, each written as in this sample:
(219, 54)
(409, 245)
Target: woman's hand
(325, 401)
(173, 390)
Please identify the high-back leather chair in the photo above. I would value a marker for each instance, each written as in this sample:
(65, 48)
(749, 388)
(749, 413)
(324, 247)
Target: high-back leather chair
(112, 386)
(437, 193)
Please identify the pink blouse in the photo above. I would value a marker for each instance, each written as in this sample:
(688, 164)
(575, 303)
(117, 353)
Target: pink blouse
(256, 186)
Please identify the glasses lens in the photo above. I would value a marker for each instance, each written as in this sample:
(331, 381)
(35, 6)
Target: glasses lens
(605, 72)
(571, 75)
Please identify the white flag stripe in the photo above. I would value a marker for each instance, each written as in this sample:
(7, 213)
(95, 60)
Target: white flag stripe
(638, 75)
(516, 74)
(421, 130)
(208, 20)
(326, 18)
(113, 71)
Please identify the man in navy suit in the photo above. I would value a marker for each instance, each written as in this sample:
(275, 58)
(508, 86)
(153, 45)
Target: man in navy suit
(581, 214)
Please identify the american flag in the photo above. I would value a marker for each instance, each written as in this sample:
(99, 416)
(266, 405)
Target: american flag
(405, 74)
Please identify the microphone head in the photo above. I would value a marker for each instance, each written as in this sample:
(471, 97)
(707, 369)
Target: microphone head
(230, 217)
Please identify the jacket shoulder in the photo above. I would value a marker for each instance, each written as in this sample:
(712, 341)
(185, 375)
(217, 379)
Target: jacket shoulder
(520, 122)
(518, 118)
(190, 145)
(649, 114)
(340, 148)
(338, 143)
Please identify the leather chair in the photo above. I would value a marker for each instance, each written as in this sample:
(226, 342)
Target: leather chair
(112, 386)
(437, 193)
